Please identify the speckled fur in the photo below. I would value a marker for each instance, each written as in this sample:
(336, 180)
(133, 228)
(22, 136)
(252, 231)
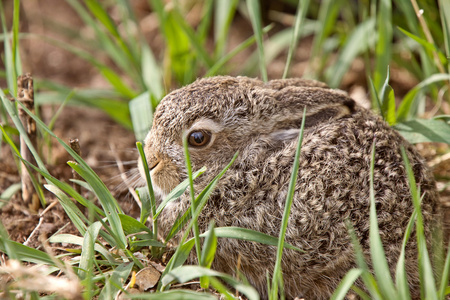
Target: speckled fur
(332, 185)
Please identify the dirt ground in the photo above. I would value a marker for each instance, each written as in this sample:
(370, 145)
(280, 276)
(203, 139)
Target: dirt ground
(102, 140)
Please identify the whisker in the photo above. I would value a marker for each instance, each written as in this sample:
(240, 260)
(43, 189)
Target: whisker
(127, 162)
(113, 164)
(125, 179)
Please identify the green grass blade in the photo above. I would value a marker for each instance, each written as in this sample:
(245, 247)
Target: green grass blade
(9, 141)
(195, 228)
(204, 195)
(6, 245)
(69, 190)
(107, 201)
(208, 253)
(224, 12)
(179, 224)
(193, 39)
(388, 101)
(209, 247)
(357, 42)
(177, 192)
(144, 197)
(224, 59)
(94, 180)
(255, 18)
(428, 287)
(405, 107)
(380, 265)
(151, 73)
(4, 137)
(178, 259)
(8, 193)
(116, 281)
(145, 213)
(15, 39)
(75, 215)
(444, 10)
(429, 284)
(383, 50)
(302, 8)
(23, 133)
(400, 273)
(249, 235)
(375, 98)
(104, 41)
(422, 131)
(427, 45)
(221, 289)
(174, 294)
(327, 19)
(87, 252)
(205, 23)
(115, 79)
(346, 283)
(444, 287)
(16, 120)
(11, 74)
(102, 16)
(131, 226)
(277, 272)
(86, 266)
(273, 48)
(200, 203)
(366, 276)
(178, 53)
(187, 273)
(76, 240)
(21, 252)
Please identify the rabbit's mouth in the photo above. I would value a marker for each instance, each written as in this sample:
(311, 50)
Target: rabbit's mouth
(153, 166)
(162, 176)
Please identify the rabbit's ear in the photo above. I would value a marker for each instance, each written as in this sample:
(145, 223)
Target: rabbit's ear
(322, 106)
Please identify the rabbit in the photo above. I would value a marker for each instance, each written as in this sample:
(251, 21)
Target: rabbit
(222, 115)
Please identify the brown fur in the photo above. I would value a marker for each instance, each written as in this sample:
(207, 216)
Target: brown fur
(261, 120)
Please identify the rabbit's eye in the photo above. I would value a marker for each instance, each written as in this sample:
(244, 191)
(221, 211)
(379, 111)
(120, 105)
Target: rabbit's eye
(199, 138)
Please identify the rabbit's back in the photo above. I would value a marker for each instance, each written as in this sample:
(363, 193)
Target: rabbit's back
(332, 189)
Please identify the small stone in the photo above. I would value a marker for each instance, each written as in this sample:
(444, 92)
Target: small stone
(147, 278)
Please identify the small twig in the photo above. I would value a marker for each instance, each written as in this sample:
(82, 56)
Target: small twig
(63, 266)
(75, 145)
(124, 177)
(438, 160)
(426, 31)
(41, 219)
(439, 100)
(25, 95)
(57, 231)
(48, 208)
(429, 37)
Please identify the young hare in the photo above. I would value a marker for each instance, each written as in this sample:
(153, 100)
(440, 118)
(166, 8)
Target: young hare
(222, 115)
